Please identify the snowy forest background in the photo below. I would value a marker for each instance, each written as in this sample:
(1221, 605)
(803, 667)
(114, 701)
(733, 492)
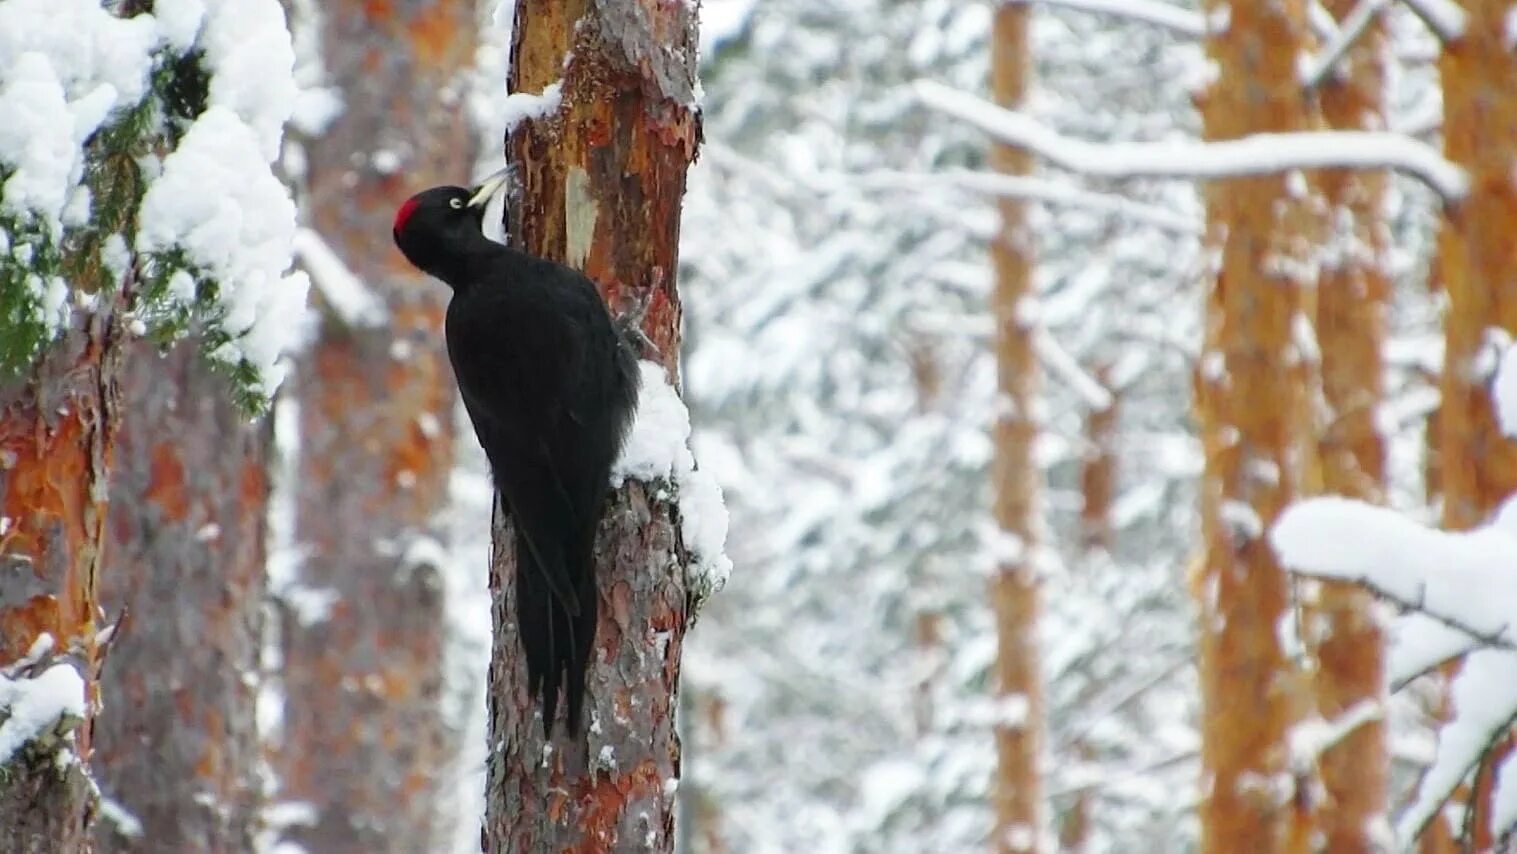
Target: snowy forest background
(840, 363)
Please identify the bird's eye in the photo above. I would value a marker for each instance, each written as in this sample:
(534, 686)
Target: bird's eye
(456, 204)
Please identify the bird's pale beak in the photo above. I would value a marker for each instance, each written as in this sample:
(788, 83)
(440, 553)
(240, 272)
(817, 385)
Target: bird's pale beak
(489, 187)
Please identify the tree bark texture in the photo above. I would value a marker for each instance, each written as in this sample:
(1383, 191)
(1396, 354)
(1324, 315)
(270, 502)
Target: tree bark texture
(1251, 395)
(1477, 261)
(177, 744)
(1019, 734)
(57, 436)
(1477, 264)
(364, 738)
(1098, 472)
(1352, 303)
(601, 181)
(1098, 490)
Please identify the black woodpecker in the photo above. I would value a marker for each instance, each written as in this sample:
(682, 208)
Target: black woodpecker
(550, 385)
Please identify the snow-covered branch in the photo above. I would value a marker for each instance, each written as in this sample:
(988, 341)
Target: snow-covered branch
(1043, 190)
(1463, 580)
(1317, 68)
(1058, 361)
(1419, 644)
(1444, 17)
(1322, 23)
(1259, 154)
(1153, 12)
(1309, 739)
(1484, 699)
(350, 299)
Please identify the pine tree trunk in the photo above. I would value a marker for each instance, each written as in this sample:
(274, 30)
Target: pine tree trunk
(364, 738)
(1098, 487)
(1352, 304)
(1476, 261)
(57, 441)
(1098, 473)
(601, 182)
(1251, 396)
(177, 746)
(1478, 268)
(1014, 592)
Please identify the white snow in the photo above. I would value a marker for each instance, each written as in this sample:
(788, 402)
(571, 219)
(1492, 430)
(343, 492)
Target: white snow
(1048, 191)
(127, 824)
(1310, 738)
(1316, 68)
(1242, 520)
(116, 256)
(251, 60)
(1418, 643)
(1484, 700)
(1059, 362)
(1460, 591)
(519, 107)
(33, 705)
(179, 21)
(65, 66)
(1444, 17)
(658, 448)
(1504, 389)
(1504, 798)
(1464, 579)
(348, 296)
(1259, 154)
(721, 20)
(68, 66)
(218, 201)
(1153, 12)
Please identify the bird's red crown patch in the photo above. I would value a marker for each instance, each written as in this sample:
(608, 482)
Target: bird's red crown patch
(404, 214)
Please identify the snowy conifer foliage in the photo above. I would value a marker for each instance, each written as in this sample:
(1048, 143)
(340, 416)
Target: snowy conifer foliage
(135, 170)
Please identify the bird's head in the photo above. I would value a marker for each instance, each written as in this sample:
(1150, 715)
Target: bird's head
(436, 227)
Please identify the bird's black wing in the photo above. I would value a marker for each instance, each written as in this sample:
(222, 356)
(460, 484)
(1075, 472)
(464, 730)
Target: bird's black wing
(511, 409)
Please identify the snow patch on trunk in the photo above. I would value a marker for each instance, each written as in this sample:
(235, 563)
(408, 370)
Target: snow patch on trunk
(658, 448)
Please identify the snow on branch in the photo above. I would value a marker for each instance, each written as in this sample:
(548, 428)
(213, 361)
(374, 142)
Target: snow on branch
(1464, 580)
(1311, 738)
(1484, 701)
(351, 300)
(1058, 361)
(1317, 68)
(1419, 644)
(1461, 592)
(1154, 12)
(34, 707)
(1043, 190)
(1444, 17)
(1322, 23)
(1259, 154)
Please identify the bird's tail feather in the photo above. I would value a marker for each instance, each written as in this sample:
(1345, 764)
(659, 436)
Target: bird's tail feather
(557, 641)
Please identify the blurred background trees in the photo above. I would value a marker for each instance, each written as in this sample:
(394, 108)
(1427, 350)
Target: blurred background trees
(1004, 414)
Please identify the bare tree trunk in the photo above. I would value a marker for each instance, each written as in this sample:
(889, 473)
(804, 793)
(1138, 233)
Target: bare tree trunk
(601, 181)
(1098, 472)
(57, 440)
(1018, 789)
(364, 738)
(1477, 466)
(1251, 397)
(1352, 304)
(1098, 488)
(177, 746)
